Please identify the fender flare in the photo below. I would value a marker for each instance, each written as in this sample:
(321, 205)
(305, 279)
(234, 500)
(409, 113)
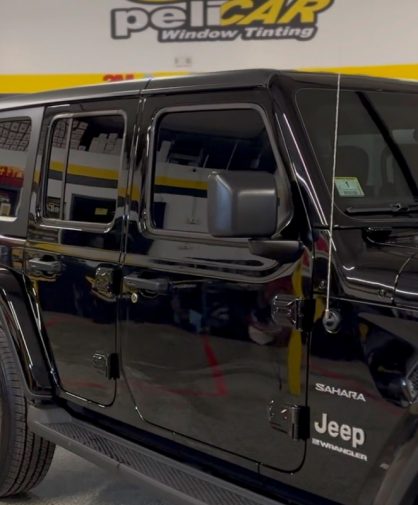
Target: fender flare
(23, 329)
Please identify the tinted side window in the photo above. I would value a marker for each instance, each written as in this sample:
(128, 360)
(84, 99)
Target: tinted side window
(377, 150)
(188, 146)
(14, 142)
(83, 168)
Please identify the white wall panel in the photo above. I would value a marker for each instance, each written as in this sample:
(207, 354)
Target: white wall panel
(74, 37)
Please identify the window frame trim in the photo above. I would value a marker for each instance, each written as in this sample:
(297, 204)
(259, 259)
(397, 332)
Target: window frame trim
(145, 217)
(67, 224)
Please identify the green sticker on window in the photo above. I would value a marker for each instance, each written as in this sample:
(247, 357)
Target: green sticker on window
(100, 212)
(349, 187)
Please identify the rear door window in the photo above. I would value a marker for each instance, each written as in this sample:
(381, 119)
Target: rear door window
(85, 157)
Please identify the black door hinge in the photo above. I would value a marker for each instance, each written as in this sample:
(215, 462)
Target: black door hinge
(107, 365)
(299, 311)
(293, 420)
(113, 368)
(107, 282)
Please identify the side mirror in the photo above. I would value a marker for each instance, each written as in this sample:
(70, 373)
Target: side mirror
(242, 204)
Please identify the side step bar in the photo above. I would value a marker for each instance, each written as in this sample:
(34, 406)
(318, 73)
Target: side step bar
(155, 473)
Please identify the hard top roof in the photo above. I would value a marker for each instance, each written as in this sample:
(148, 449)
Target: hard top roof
(234, 79)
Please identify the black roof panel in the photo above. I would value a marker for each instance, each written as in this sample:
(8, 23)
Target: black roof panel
(231, 79)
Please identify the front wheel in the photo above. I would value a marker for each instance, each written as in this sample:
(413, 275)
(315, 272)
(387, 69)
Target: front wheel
(25, 458)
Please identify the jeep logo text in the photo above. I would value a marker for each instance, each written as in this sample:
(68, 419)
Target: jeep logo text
(354, 435)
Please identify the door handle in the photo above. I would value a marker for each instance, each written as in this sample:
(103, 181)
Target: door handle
(158, 285)
(45, 266)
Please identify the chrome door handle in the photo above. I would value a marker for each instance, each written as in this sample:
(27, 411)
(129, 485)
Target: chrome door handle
(45, 266)
(158, 285)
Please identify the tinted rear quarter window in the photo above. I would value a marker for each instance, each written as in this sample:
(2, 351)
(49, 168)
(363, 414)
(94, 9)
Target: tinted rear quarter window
(14, 143)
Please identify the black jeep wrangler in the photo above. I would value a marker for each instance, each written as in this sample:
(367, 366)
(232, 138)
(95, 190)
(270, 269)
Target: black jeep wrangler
(209, 285)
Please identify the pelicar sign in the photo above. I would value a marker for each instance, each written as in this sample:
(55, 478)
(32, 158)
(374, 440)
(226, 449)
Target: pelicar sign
(215, 20)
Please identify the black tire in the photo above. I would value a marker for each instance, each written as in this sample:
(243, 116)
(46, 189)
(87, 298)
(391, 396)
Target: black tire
(25, 458)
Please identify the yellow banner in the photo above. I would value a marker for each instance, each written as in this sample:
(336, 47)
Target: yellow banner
(29, 83)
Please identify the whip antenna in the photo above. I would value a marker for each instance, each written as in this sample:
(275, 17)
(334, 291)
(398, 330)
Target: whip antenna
(328, 317)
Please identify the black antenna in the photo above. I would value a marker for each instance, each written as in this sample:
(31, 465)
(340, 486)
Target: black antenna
(328, 317)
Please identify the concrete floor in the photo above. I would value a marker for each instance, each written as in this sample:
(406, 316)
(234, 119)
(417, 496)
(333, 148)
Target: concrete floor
(73, 481)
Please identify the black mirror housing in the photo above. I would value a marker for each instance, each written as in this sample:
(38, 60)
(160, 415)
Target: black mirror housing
(242, 204)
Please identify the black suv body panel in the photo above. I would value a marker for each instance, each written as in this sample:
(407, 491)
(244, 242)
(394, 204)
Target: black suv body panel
(217, 307)
(148, 326)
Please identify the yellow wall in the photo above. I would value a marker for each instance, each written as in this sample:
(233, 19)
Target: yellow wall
(29, 83)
